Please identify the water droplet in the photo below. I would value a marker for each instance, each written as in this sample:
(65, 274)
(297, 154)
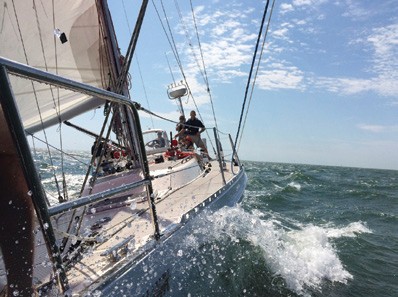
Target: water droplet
(10, 202)
(30, 193)
(131, 244)
(133, 205)
(57, 32)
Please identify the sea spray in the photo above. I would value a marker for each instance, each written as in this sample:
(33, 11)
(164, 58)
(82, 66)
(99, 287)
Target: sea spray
(303, 255)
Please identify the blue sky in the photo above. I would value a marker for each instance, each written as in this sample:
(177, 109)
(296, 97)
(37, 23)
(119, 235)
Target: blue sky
(326, 91)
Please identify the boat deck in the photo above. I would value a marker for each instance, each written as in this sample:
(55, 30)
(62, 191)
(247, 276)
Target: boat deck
(129, 227)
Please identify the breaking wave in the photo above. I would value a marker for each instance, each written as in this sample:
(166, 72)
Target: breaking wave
(302, 257)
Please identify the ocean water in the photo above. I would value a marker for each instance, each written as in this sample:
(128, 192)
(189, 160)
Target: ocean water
(300, 230)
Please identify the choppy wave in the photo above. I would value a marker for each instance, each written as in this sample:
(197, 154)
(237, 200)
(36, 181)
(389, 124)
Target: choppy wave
(302, 255)
(56, 170)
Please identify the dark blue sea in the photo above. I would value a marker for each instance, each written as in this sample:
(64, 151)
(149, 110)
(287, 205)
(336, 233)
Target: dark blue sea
(300, 230)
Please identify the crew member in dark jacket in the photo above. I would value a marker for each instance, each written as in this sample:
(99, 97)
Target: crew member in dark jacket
(194, 127)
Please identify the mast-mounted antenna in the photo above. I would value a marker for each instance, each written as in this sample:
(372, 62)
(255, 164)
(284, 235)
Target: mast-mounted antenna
(176, 91)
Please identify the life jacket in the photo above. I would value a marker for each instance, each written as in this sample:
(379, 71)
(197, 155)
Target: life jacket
(174, 152)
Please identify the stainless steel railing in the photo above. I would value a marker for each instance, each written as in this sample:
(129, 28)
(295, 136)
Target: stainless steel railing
(44, 213)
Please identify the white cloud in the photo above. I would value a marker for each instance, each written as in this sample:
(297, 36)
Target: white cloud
(301, 22)
(229, 45)
(226, 46)
(226, 75)
(285, 8)
(377, 128)
(384, 86)
(383, 42)
(355, 11)
(302, 2)
(377, 48)
(311, 3)
(280, 33)
(371, 128)
(282, 78)
(384, 39)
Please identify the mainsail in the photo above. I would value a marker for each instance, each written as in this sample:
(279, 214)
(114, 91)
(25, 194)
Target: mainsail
(68, 42)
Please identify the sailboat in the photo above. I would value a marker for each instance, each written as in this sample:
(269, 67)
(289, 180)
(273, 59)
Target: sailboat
(136, 198)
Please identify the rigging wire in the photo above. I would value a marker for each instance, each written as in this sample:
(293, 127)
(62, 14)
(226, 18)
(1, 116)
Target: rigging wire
(171, 72)
(143, 87)
(154, 114)
(251, 70)
(138, 107)
(137, 61)
(125, 14)
(131, 48)
(255, 76)
(34, 137)
(111, 81)
(200, 47)
(64, 186)
(34, 92)
(177, 57)
(205, 77)
(189, 39)
(173, 46)
(170, 38)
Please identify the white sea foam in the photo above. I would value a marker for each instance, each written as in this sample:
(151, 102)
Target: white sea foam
(295, 185)
(350, 230)
(73, 181)
(302, 255)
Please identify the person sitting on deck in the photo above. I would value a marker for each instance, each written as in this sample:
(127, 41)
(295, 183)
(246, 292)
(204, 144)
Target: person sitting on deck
(16, 218)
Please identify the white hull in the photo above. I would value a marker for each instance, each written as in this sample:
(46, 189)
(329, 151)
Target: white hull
(129, 226)
(161, 258)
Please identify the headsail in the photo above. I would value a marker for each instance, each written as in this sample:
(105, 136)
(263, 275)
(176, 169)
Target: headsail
(81, 58)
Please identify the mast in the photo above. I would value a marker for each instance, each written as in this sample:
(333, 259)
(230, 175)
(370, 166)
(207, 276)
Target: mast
(121, 70)
(132, 44)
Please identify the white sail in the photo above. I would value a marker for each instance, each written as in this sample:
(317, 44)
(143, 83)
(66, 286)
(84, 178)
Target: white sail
(37, 43)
